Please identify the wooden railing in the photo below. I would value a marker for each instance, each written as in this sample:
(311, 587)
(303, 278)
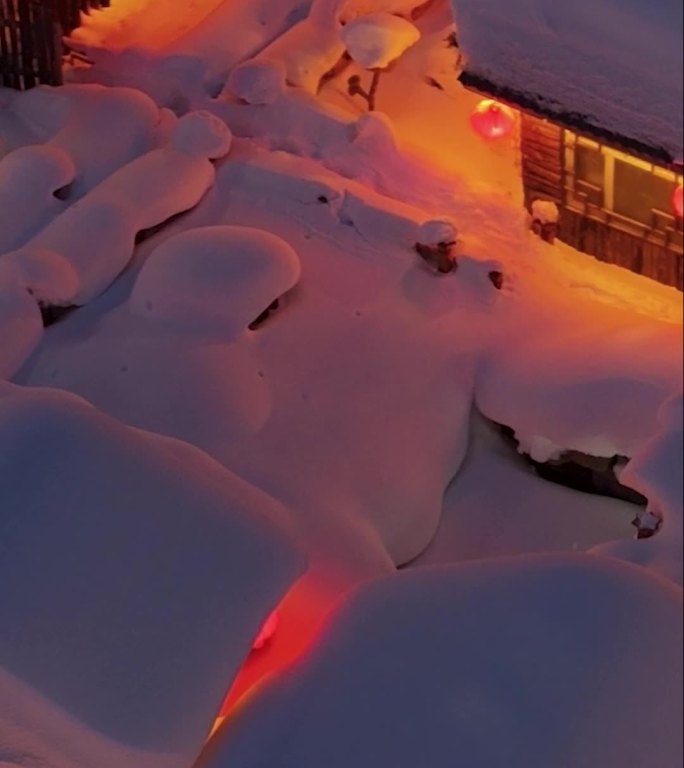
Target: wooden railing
(31, 38)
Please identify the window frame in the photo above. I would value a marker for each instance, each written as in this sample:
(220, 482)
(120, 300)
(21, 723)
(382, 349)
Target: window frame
(665, 228)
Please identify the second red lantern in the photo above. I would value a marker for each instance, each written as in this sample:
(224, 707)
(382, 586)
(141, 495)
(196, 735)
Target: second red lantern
(492, 120)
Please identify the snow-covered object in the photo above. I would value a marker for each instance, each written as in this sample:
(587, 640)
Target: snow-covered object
(257, 81)
(222, 276)
(47, 276)
(29, 177)
(545, 211)
(306, 52)
(21, 326)
(136, 573)
(156, 186)
(436, 231)
(423, 668)
(656, 472)
(616, 64)
(107, 129)
(235, 32)
(585, 389)
(378, 39)
(201, 134)
(96, 236)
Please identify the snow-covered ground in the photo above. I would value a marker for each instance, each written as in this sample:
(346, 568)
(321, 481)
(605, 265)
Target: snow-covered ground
(171, 470)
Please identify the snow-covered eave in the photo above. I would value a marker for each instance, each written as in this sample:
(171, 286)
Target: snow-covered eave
(543, 106)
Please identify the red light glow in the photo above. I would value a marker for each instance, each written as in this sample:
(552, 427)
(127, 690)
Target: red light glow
(266, 632)
(492, 120)
(677, 201)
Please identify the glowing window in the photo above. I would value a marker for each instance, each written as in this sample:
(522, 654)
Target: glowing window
(599, 178)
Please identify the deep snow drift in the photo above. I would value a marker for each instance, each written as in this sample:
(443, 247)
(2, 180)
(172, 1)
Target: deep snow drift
(242, 187)
(525, 663)
(135, 572)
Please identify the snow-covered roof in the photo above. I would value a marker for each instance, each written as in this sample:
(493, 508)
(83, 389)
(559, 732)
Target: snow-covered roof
(611, 66)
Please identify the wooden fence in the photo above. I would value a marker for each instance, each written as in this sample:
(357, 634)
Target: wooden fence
(31, 38)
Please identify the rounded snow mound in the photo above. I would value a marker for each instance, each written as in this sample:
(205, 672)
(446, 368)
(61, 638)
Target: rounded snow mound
(378, 39)
(45, 274)
(374, 131)
(422, 668)
(201, 133)
(260, 81)
(224, 276)
(41, 167)
(107, 523)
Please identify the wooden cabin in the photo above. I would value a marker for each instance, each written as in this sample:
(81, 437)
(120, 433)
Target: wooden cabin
(31, 33)
(599, 100)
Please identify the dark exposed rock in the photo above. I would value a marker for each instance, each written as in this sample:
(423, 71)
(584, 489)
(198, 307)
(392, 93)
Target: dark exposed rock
(582, 472)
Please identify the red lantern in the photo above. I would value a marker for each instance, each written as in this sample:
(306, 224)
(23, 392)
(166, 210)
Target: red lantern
(677, 200)
(492, 120)
(266, 632)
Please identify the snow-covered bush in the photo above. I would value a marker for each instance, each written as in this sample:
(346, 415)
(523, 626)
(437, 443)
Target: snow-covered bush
(258, 81)
(221, 277)
(201, 134)
(29, 178)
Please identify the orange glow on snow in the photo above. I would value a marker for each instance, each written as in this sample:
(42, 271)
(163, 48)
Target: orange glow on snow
(492, 120)
(299, 617)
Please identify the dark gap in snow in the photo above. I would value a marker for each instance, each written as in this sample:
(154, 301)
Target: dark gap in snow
(261, 319)
(581, 471)
(63, 193)
(145, 234)
(51, 313)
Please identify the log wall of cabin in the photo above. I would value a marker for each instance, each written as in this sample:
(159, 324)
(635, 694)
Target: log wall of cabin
(543, 175)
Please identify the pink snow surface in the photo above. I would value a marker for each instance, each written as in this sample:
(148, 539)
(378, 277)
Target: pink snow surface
(135, 574)
(530, 662)
(615, 63)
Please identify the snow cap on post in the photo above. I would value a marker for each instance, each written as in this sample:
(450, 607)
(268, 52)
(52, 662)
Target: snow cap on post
(376, 40)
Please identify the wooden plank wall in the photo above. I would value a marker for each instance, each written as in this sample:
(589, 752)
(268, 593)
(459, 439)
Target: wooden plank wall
(31, 38)
(541, 145)
(30, 44)
(543, 177)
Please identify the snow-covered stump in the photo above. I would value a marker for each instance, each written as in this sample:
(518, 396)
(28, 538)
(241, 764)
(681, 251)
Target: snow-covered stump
(544, 220)
(136, 573)
(435, 244)
(299, 58)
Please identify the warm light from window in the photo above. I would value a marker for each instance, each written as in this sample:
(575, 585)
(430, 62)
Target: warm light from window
(677, 201)
(266, 632)
(492, 120)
